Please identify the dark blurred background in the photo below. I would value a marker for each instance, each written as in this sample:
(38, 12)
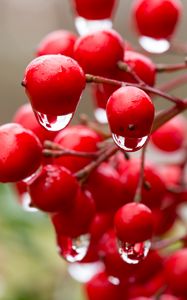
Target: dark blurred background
(29, 265)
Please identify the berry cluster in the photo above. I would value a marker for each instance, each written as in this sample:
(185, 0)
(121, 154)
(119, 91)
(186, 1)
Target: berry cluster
(109, 209)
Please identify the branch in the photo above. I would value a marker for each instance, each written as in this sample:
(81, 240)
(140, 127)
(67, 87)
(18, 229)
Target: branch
(173, 83)
(161, 68)
(168, 242)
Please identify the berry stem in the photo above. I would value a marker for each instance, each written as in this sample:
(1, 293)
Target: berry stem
(83, 174)
(161, 68)
(126, 68)
(97, 79)
(138, 194)
(168, 242)
(173, 83)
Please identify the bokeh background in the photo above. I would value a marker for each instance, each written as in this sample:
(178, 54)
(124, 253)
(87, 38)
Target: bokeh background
(29, 265)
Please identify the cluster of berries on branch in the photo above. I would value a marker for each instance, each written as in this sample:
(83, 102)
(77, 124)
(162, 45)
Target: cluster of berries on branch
(111, 211)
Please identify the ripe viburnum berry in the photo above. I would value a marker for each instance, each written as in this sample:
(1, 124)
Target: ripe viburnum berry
(57, 42)
(171, 136)
(54, 189)
(90, 52)
(94, 9)
(134, 223)
(21, 153)
(54, 84)
(78, 138)
(77, 220)
(141, 65)
(130, 114)
(26, 117)
(176, 272)
(101, 288)
(156, 19)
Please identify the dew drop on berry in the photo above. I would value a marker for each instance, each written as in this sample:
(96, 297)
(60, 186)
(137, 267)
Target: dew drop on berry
(26, 203)
(152, 45)
(129, 144)
(83, 272)
(74, 249)
(133, 253)
(100, 115)
(53, 123)
(85, 26)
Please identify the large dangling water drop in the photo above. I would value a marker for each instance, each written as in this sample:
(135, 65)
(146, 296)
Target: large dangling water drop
(154, 45)
(73, 249)
(133, 253)
(83, 272)
(129, 144)
(100, 115)
(53, 123)
(85, 26)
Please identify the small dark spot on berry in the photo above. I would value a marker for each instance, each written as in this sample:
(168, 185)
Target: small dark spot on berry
(131, 127)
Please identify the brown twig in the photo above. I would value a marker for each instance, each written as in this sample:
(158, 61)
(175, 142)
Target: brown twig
(161, 68)
(127, 68)
(158, 245)
(173, 83)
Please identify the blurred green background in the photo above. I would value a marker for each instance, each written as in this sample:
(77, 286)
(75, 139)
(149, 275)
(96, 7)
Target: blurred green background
(29, 265)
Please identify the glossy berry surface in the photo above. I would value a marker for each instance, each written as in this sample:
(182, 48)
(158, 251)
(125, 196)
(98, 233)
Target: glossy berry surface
(90, 51)
(94, 9)
(21, 153)
(78, 138)
(130, 112)
(156, 18)
(57, 42)
(171, 136)
(100, 288)
(176, 272)
(54, 189)
(54, 84)
(77, 221)
(141, 65)
(134, 223)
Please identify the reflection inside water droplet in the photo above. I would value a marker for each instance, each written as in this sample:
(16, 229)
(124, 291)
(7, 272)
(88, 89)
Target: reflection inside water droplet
(100, 115)
(85, 26)
(53, 123)
(73, 250)
(154, 45)
(129, 144)
(133, 253)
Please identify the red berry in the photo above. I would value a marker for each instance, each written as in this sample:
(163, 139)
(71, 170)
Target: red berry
(176, 272)
(76, 222)
(156, 18)
(130, 115)
(169, 297)
(134, 223)
(90, 52)
(54, 189)
(171, 136)
(21, 153)
(26, 117)
(57, 42)
(78, 138)
(54, 84)
(100, 288)
(141, 65)
(94, 9)
(105, 185)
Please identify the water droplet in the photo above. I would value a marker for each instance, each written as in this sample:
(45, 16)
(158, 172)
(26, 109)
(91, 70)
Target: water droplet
(114, 280)
(73, 250)
(133, 253)
(25, 203)
(100, 115)
(129, 144)
(83, 272)
(85, 26)
(53, 123)
(154, 45)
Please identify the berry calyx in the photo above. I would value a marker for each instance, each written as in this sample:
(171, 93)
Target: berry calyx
(94, 9)
(54, 189)
(21, 153)
(57, 42)
(156, 18)
(134, 223)
(90, 52)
